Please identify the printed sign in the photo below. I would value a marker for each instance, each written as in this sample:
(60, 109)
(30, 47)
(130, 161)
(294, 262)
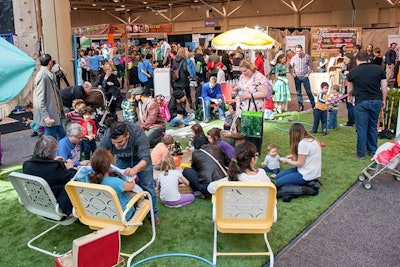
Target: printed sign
(333, 39)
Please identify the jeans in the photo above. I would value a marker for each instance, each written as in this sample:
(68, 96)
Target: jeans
(332, 119)
(88, 147)
(154, 135)
(146, 180)
(290, 176)
(176, 121)
(366, 114)
(306, 82)
(193, 178)
(320, 115)
(207, 108)
(57, 131)
(351, 120)
(273, 171)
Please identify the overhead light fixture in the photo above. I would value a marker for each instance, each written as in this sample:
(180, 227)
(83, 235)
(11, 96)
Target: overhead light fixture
(122, 5)
(116, 1)
(128, 10)
(93, 4)
(103, 8)
(74, 8)
(170, 4)
(145, 3)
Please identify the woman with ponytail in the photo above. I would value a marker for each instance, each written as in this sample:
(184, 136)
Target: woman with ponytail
(100, 162)
(242, 168)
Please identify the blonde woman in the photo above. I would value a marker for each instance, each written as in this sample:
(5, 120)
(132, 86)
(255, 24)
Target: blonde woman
(110, 84)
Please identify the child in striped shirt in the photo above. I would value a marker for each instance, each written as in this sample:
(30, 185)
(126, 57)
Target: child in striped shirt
(321, 109)
(75, 116)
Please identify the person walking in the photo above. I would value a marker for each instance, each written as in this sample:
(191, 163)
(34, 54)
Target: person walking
(368, 85)
(300, 68)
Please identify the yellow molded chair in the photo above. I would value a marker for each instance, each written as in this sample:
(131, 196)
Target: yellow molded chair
(244, 208)
(98, 207)
(36, 195)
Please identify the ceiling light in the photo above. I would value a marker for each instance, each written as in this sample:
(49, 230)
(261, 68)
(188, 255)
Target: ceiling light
(103, 8)
(93, 4)
(122, 5)
(170, 4)
(116, 1)
(128, 10)
(74, 8)
(145, 3)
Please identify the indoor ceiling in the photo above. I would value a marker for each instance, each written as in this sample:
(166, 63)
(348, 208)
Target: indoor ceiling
(284, 6)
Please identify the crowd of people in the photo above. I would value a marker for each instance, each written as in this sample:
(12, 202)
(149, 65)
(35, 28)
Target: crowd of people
(139, 145)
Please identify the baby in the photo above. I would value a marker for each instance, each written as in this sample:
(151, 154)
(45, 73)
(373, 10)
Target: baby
(271, 161)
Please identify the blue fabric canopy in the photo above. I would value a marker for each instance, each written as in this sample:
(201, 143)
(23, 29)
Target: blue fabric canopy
(16, 68)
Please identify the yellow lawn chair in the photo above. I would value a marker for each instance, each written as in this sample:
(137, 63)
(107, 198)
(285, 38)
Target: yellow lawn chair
(244, 208)
(98, 207)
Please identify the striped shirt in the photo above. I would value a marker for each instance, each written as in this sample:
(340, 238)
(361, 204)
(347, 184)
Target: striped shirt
(321, 102)
(301, 65)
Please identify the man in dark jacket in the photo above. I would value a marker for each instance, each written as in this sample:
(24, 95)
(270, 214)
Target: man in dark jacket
(179, 115)
(71, 93)
(130, 145)
(205, 169)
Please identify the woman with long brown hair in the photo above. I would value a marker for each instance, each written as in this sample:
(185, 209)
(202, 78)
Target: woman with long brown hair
(348, 64)
(305, 158)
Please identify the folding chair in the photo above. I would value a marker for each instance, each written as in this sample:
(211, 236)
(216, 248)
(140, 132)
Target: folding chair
(98, 207)
(36, 195)
(201, 105)
(226, 90)
(244, 208)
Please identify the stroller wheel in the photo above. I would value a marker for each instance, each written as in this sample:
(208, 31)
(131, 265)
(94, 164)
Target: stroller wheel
(361, 177)
(367, 185)
(397, 178)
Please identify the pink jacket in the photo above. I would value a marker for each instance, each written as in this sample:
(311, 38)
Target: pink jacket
(165, 114)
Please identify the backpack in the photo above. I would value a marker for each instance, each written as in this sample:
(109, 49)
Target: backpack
(175, 72)
(199, 67)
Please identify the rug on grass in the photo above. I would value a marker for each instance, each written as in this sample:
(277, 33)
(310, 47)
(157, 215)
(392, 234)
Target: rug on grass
(13, 123)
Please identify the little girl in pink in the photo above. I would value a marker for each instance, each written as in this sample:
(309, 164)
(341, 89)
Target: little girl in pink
(163, 106)
(169, 180)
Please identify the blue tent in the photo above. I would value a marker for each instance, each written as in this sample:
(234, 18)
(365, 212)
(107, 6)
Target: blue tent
(16, 68)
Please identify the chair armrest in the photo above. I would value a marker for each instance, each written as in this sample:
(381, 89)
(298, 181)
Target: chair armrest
(275, 214)
(135, 199)
(129, 206)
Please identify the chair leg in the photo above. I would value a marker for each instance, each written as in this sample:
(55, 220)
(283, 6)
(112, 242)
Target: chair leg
(153, 229)
(271, 254)
(40, 235)
(215, 245)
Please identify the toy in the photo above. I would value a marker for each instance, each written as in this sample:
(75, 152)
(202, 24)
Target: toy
(322, 144)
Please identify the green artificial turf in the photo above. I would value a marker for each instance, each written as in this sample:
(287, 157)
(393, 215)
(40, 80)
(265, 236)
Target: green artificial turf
(190, 229)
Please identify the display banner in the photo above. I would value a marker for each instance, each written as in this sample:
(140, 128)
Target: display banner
(333, 39)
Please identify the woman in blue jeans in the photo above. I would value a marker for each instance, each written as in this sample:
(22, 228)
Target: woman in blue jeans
(306, 158)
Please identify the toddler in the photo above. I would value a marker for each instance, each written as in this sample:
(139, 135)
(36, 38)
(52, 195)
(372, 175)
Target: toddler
(161, 150)
(75, 116)
(128, 107)
(271, 161)
(35, 127)
(321, 109)
(169, 180)
(89, 133)
(333, 107)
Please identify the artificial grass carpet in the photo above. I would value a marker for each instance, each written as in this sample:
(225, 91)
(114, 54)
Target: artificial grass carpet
(190, 229)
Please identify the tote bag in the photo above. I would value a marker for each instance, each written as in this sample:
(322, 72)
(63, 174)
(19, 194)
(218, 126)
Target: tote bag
(251, 124)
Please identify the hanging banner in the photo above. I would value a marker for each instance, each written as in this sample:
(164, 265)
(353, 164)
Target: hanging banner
(333, 39)
(293, 40)
(120, 29)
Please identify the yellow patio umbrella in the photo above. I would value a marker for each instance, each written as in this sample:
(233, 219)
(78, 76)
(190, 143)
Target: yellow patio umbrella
(244, 38)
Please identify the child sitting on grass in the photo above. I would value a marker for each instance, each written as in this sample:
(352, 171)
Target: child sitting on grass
(128, 107)
(35, 127)
(161, 150)
(271, 161)
(169, 180)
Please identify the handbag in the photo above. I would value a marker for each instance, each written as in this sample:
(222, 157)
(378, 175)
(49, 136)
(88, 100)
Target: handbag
(251, 124)
(59, 73)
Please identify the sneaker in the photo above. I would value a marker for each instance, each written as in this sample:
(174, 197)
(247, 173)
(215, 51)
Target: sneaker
(207, 120)
(357, 156)
(324, 133)
(34, 134)
(346, 125)
(221, 118)
(156, 221)
(301, 107)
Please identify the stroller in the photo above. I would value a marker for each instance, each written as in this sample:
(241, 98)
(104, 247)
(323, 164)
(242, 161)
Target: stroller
(386, 159)
(103, 117)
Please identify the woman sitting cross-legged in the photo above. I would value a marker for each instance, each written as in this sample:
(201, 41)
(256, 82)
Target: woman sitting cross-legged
(242, 168)
(56, 172)
(100, 162)
(306, 158)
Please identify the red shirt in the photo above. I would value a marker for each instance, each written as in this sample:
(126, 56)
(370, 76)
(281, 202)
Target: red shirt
(260, 64)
